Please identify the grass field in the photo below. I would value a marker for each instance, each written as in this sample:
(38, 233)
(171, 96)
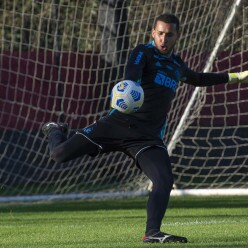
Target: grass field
(206, 222)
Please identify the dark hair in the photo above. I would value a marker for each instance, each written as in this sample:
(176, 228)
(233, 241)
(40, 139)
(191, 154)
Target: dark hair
(167, 18)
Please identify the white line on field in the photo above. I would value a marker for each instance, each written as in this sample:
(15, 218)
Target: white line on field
(209, 222)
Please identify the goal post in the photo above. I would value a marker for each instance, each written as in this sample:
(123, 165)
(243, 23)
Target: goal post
(214, 123)
(59, 61)
(193, 104)
(207, 68)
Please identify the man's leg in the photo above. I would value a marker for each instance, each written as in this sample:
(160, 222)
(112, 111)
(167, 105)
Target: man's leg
(63, 149)
(155, 163)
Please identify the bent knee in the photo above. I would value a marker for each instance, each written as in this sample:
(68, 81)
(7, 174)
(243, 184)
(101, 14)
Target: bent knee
(59, 154)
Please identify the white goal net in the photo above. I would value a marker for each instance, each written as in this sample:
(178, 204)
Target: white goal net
(58, 62)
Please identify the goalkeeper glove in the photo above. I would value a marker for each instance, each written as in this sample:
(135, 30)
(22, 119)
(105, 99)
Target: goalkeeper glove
(241, 77)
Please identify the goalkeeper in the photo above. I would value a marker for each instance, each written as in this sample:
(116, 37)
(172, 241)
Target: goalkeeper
(159, 71)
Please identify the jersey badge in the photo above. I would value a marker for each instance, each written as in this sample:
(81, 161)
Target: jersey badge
(158, 64)
(88, 130)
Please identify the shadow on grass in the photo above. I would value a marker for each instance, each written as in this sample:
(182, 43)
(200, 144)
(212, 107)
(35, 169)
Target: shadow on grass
(133, 203)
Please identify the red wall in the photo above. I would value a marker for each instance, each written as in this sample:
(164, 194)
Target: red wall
(33, 88)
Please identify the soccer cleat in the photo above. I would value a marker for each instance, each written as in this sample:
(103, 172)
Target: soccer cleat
(161, 237)
(46, 128)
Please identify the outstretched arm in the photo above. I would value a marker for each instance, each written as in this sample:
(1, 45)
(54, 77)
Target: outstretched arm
(208, 79)
(205, 79)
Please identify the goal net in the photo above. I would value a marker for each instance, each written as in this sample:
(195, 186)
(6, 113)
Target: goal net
(58, 62)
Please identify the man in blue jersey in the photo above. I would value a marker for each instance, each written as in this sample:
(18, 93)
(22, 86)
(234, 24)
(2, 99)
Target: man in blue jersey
(139, 134)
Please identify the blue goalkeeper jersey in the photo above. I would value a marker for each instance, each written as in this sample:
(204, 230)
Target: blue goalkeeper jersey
(159, 76)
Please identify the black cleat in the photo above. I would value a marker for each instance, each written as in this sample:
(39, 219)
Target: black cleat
(46, 128)
(161, 237)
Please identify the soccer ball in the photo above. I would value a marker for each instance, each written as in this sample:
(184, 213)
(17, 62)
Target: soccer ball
(127, 96)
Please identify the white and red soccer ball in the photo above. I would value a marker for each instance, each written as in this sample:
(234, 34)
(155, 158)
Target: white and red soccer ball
(127, 96)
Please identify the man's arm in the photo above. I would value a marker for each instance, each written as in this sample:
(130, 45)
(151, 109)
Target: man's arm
(135, 64)
(209, 79)
(205, 79)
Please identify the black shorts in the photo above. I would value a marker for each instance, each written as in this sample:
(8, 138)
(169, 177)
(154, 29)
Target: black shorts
(122, 134)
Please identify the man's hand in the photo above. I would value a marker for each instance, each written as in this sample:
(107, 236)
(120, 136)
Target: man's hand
(241, 77)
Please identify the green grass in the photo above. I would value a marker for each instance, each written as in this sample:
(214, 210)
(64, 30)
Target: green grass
(206, 222)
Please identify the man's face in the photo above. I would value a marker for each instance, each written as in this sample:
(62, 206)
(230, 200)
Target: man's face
(165, 36)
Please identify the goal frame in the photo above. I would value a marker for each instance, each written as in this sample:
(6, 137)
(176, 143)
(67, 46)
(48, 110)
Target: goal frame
(103, 64)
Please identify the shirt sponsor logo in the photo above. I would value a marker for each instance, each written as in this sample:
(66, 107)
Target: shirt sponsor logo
(163, 80)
